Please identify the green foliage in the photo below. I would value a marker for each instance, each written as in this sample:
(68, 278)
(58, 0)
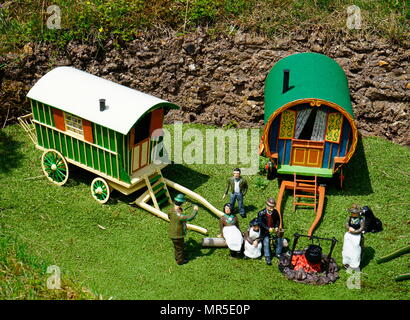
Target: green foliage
(60, 225)
(202, 11)
(122, 20)
(261, 183)
(231, 124)
(236, 7)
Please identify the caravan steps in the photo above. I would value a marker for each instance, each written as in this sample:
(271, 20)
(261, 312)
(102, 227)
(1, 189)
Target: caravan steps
(291, 185)
(308, 186)
(157, 189)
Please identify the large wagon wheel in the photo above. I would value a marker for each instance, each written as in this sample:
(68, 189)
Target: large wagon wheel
(100, 190)
(54, 166)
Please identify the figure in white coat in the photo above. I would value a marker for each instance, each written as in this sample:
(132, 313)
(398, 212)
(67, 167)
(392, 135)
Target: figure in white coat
(353, 241)
(229, 228)
(253, 240)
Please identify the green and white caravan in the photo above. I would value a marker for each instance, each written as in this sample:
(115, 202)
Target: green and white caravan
(105, 128)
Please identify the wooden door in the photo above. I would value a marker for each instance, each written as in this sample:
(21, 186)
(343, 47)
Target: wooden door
(307, 153)
(140, 154)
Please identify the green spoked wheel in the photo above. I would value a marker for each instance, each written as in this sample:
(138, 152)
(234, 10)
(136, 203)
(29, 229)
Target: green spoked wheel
(54, 166)
(100, 190)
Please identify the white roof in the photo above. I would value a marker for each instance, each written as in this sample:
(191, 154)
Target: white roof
(79, 92)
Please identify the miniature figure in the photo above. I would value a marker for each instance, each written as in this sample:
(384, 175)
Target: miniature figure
(270, 222)
(229, 227)
(253, 240)
(177, 227)
(237, 186)
(353, 242)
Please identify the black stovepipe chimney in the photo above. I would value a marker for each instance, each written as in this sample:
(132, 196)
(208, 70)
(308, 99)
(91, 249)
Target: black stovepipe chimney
(285, 80)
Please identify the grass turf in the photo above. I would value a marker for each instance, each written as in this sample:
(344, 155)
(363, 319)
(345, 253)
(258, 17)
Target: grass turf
(132, 258)
(24, 276)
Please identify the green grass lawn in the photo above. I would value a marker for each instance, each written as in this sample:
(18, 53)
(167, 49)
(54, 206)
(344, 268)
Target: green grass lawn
(132, 258)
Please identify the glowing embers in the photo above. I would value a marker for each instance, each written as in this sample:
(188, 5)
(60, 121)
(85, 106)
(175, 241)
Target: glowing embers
(310, 265)
(300, 262)
(301, 270)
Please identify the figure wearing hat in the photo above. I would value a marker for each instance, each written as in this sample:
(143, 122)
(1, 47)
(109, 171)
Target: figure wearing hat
(270, 221)
(353, 241)
(177, 227)
(237, 186)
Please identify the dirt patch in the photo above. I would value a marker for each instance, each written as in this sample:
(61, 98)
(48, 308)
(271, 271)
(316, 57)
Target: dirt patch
(220, 80)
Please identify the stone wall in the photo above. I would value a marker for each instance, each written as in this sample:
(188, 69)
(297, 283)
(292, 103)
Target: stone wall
(220, 79)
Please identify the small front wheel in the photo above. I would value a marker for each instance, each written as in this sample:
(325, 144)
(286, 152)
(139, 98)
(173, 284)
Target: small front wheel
(100, 190)
(54, 166)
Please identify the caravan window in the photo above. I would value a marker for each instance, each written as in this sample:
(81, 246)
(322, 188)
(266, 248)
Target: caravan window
(74, 124)
(311, 124)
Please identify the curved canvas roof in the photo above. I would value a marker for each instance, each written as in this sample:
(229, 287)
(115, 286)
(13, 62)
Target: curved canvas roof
(78, 92)
(311, 75)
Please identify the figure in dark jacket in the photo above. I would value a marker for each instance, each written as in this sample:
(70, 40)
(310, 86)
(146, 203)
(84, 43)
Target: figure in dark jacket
(237, 187)
(177, 227)
(270, 221)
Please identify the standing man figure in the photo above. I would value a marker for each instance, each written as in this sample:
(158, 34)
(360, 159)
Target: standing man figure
(237, 186)
(270, 222)
(177, 227)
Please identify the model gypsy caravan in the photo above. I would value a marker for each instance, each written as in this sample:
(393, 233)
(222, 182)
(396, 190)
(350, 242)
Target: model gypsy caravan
(309, 124)
(105, 128)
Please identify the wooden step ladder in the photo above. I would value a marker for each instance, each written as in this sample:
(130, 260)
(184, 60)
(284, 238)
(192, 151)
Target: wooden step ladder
(157, 189)
(307, 186)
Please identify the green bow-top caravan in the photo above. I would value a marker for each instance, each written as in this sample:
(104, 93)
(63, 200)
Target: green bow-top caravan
(309, 122)
(102, 127)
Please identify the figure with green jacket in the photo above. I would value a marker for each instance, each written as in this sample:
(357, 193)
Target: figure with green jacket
(237, 186)
(177, 227)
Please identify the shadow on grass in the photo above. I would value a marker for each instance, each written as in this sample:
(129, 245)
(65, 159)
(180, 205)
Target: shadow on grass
(185, 176)
(79, 176)
(194, 250)
(356, 172)
(10, 155)
(188, 178)
(368, 256)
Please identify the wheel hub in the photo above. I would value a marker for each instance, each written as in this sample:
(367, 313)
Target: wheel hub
(98, 190)
(53, 167)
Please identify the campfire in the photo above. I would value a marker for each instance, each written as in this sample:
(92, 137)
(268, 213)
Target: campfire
(303, 271)
(297, 266)
(300, 262)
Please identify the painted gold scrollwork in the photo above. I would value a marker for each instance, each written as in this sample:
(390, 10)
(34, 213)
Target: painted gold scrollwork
(287, 124)
(334, 127)
(315, 103)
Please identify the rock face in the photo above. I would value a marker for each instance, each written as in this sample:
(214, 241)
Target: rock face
(220, 80)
